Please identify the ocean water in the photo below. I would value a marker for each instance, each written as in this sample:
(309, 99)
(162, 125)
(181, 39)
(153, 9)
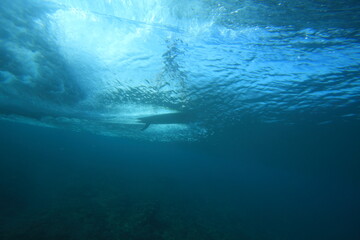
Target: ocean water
(179, 120)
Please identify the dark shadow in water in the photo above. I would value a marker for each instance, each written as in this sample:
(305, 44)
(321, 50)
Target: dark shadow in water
(253, 182)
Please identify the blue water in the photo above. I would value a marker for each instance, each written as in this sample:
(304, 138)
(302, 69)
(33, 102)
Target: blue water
(270, 150)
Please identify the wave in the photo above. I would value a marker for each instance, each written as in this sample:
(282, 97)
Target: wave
(100, 65)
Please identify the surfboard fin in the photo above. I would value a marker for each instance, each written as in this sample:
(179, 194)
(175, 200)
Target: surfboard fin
(146, 126)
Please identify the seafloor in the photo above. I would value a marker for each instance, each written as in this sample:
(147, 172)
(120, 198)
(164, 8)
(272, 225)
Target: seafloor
(269, 183)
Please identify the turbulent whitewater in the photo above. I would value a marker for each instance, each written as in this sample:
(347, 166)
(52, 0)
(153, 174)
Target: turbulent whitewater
(100, 66)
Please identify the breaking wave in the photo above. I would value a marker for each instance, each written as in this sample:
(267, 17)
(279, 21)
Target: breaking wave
(100, 65)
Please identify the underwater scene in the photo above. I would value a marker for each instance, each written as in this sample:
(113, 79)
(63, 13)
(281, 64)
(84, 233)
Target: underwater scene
(179, 119)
